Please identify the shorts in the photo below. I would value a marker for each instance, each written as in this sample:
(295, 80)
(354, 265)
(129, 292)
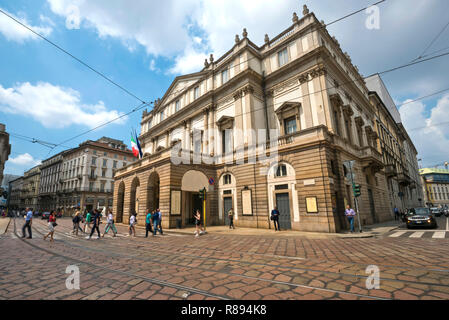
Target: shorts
(197, 223)
(50, 227)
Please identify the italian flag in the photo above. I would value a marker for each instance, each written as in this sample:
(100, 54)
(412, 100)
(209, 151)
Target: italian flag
(135, 145)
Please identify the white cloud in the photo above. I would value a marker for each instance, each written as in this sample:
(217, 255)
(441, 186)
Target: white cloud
(53, 106)
(13, 31)
(24, 160)
(190, 61)
(429, 134)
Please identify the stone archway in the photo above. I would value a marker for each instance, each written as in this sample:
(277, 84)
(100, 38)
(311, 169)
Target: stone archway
(153, 192)
(120, 202)
(192, 182)
(134, 197)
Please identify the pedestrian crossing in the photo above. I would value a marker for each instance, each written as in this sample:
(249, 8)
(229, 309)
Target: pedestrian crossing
(420, 234)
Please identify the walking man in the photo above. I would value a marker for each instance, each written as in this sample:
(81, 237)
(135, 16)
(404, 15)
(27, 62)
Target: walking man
(396, 213)
(28, 223)
(155, 222)
(350, 214)
(231, 218)
(148, 219)
(159, 224)
(96, 224)
(110, 224)
(275, 217)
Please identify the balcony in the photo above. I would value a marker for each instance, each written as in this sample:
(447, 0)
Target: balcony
(404, 179)
(390, 170)
(79, 177)
(371, 159)
(93, 177)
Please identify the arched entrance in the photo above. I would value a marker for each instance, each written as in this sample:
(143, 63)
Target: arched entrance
(153, 192)
(227, 191)
(192, 182)
(134, 201)
(120, 202)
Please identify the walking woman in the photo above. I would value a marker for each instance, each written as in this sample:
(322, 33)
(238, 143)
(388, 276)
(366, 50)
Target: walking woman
(197, 217)
(76, 222)
(132, 223)
(87, 221)
(110, 224)
(51, 226)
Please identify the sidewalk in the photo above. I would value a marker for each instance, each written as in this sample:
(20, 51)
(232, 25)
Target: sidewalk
(368, 232)
(4, 223)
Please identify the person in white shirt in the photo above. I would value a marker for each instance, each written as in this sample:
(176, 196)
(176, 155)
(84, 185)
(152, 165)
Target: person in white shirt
(132, 223)
(110, 224)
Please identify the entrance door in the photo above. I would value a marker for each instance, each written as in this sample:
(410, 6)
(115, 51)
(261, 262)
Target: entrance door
(372, 207)
(227, 205)
(197, 204)
(283, 204)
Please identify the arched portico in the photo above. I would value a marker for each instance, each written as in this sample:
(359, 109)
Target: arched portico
(134, 197)
(120, 203)
(192, 182)
(153, 192)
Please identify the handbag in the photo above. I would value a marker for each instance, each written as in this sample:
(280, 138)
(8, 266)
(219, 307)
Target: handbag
(54, 224)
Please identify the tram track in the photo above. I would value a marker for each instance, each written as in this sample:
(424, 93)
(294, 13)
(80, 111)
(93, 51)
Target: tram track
(146, 279)
(134, 257)
(140, 258)
(315, 270)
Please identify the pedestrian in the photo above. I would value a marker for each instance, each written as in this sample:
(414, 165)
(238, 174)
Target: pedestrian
(197, 217)
(275, 218)
(110, 224)
(76, 222)
(350, 214)
(132, 223)
(87, 221)
(159, 222)
(396, 214)
(155, 217)
(28, 223)
(148, 220)
(96, 224)
(231, 218)
(51, 226)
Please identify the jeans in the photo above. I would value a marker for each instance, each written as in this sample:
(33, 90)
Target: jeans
(27, 225)
(156, 224)
(276, 222)
(109, 226)
(95, 227)
(351, 222)
(148, 229)
(231, 222)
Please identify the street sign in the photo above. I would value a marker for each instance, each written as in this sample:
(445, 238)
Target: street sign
(211, 181)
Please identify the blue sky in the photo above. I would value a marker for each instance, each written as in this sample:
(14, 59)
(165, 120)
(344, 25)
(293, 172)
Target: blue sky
(143, 45)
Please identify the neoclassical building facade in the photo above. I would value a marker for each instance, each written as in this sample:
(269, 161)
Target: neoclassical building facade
(262, 127)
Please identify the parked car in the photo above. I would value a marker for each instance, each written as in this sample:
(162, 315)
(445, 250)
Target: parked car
(45, 215)
(421, 217)
(436, 211)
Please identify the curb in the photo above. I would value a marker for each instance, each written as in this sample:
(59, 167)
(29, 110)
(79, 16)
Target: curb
(7, 226)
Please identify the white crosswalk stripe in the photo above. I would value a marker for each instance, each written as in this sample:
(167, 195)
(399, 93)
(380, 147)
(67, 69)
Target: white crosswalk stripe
(439, 235)
(417, 235)
(397, 234)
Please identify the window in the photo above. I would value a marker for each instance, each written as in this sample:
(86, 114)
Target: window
(224, 76)
(95, 151)
(227, 179)
(124, 158)
(290, 125)
(282, 57)
(281, 171)
(162, 116)
(177, 105)
(103, 173)
(115, 156)
(196, 93)
(105, 162)
(197, 146)
(105, 154)
(94, 161)
(114, 165)
(124, 164)
(226, 136)
(337, 122)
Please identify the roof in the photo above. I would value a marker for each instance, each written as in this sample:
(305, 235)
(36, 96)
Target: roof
(433, 170)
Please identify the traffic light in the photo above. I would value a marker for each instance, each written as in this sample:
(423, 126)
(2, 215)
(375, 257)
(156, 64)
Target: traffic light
(203, 194)
(357, 190)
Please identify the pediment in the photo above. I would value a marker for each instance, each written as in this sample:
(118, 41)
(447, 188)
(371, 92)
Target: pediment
(179, 85)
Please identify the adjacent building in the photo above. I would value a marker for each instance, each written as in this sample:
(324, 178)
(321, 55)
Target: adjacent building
(398, 151)
(435, 186)
(15, 194)
(5, 150)
(30, 188)
(263, 127)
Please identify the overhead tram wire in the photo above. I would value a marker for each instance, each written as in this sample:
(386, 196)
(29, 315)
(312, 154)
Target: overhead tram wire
(432, 42)
(144, 104)
(74, 57)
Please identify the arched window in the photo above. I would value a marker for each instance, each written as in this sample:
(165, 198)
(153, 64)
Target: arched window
(227, 179)
(281, 171)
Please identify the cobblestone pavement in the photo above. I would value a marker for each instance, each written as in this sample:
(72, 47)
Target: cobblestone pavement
(219, 266)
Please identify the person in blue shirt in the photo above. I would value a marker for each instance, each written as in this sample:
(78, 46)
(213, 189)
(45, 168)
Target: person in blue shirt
(28, 223)
(159, 225)
(155, 221)
(275, 217)
(148, 223)
(96, 224)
